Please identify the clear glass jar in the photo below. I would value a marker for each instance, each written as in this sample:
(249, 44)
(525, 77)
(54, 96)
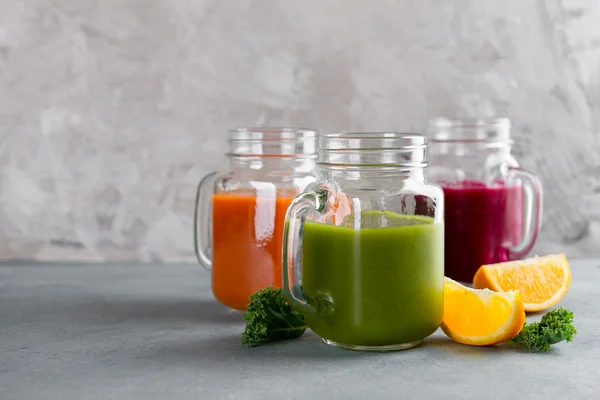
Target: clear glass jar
(239, 213)
(363, 245)
(493, 207)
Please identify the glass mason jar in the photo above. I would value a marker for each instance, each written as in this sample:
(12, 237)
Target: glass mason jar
(493, 207)
(239, 213)
(363, 245)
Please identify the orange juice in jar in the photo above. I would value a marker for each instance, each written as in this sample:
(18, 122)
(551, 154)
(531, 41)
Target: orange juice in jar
(240, 212)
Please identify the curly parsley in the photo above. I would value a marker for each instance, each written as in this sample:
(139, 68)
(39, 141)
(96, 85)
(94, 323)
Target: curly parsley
(269, 317)
(555, 326)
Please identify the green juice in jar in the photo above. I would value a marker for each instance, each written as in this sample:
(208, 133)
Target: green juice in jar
(385, 280)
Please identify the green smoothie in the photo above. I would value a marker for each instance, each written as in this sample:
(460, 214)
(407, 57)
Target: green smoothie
(385, 280)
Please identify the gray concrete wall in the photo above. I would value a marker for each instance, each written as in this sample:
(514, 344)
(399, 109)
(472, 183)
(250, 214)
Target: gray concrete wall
(110, 111)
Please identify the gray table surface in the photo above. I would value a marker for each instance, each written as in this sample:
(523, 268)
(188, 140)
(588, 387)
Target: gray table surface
(155, 332)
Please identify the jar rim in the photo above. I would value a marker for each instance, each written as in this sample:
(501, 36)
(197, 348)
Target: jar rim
(372, 140)
(273, 142)
(471, 121)
(373, 149)
(470, 130)
(272, 133)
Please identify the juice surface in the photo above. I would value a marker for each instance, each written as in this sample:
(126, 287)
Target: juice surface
(246, 250)
(386, 283)
(481, 224)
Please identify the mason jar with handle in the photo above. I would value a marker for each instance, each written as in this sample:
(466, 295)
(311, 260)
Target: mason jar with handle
(363, 245)
(239, 213)
(493, 206)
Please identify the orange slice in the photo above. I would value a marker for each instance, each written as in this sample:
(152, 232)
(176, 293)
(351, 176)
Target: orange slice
(542, 281)
(481, 317)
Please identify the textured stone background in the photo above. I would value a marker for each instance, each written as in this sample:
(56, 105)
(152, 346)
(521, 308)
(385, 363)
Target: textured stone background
(110, 111)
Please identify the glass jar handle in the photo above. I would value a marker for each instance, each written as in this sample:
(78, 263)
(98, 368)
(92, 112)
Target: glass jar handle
(533, 212)
(292, 254)
(202, 217)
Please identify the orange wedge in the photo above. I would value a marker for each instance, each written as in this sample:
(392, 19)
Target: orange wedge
(542, 281)
(481, 317)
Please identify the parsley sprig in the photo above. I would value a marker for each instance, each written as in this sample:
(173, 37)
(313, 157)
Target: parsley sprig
(269, 317)
(555, 326)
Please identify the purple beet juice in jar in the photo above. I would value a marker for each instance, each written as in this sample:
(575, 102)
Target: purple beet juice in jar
(493, 208)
